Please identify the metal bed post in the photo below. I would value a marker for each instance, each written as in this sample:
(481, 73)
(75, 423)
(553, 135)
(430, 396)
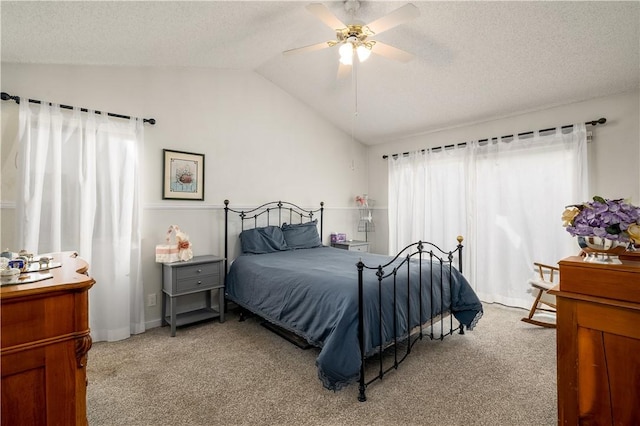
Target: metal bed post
(420, 307)
(408, 304)
(460, 239)
(321, 219)
(226, 239)
(361, 396)
(226, 250)
(379, 274)
(433, 307)
(442, 298)
(395, 319)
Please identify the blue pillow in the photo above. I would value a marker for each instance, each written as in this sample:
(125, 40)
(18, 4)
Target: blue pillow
(262, 240)
(302, 235)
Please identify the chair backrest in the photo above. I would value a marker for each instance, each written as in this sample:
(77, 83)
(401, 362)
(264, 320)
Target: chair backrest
(547, 273)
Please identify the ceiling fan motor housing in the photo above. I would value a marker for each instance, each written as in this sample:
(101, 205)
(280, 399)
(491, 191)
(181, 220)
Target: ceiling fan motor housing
(354, 33)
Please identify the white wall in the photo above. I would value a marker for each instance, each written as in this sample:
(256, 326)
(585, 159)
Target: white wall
(614, 154)
(260, 145)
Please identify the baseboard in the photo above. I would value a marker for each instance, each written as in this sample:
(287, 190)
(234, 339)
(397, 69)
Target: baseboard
(152, 324)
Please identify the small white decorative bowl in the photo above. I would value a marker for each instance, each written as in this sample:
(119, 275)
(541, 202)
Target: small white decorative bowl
(8, 276)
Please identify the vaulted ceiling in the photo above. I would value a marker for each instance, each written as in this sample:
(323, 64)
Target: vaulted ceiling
(474, 61)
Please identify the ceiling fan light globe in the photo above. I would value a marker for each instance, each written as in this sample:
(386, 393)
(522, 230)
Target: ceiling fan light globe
(363, 53)
(346, 54)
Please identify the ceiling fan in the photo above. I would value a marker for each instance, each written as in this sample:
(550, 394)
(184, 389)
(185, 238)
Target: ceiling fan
(355, 38)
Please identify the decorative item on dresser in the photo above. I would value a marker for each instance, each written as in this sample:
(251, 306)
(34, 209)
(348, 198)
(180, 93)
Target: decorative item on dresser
(45, 340)
(201, 274)
(354, 306)
(598, 342)
(604, 227)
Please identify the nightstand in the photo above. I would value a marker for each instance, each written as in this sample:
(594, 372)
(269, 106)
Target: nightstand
(352, 245)
(202, 274)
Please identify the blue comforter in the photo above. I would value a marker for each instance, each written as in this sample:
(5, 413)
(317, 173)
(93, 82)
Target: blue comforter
(314, 293)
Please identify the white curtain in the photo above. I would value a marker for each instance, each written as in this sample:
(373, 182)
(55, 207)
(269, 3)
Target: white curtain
(415, 212)
(80, 190)
(506, 198)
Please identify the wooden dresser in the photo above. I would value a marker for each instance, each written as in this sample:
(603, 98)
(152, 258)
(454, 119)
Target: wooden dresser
(44, 344)
(598, 343)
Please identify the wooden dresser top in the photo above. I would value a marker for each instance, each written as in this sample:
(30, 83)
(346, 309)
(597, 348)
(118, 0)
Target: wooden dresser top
(611, 281)
(71, 275)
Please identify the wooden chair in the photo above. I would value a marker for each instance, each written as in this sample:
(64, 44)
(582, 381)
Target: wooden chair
(545, 280)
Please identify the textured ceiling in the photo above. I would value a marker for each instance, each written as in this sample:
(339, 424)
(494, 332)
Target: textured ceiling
(474, 61)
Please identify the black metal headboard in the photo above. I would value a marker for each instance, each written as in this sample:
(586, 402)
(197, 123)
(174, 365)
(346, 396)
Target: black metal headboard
(271, 213)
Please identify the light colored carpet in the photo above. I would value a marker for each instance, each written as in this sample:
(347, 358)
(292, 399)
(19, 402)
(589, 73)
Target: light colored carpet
(501, 373)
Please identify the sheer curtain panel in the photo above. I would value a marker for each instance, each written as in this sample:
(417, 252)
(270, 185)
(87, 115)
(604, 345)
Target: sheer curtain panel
(80, 190)
(437, 213)
(506, 197)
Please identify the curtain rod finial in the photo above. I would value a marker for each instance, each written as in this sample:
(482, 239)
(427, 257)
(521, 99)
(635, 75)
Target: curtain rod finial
(7, 97)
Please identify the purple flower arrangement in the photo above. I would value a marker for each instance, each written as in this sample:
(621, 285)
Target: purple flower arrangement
(615, 220)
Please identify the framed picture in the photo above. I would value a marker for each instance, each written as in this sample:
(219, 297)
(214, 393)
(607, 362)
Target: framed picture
(183, 174)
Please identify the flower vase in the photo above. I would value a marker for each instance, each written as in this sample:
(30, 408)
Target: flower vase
(601, 250)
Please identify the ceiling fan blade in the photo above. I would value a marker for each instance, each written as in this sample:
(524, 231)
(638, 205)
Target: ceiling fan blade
(325, 15)
(343, 71)
(391, 52)
(397, 17)
(309, 48)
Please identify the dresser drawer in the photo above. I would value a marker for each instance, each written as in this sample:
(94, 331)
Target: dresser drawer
(195, 271)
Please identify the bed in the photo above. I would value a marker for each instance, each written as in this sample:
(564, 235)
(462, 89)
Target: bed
(358, 308)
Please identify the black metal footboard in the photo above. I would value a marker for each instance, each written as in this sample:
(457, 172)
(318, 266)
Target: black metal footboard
(397, 348)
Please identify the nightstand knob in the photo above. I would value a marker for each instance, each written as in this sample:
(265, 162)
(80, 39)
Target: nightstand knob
(199, 282)
(199, 270)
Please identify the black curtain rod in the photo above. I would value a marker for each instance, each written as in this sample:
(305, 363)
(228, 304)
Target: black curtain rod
(568, 126)
(7, 97)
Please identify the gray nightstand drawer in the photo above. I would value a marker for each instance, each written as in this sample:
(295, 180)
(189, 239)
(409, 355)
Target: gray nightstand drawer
(195, 271)
(198, 283)
(363, 248)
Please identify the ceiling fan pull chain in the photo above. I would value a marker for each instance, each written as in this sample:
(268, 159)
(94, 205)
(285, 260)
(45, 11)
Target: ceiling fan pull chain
(354, 80)
(354, 73)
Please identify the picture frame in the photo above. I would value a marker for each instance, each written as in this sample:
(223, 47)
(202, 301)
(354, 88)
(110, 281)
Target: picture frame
(183, 175)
